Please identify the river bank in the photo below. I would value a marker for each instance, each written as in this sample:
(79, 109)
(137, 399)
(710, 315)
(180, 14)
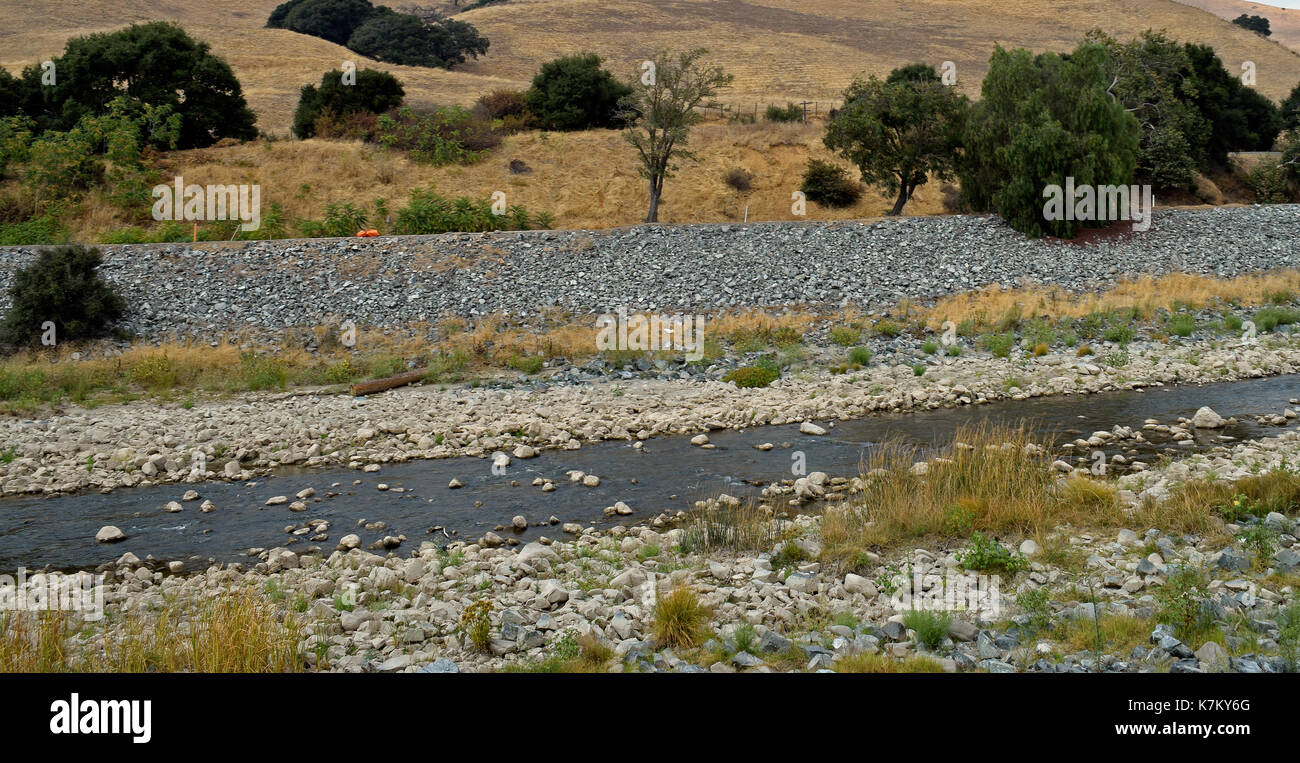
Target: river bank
(242, 437)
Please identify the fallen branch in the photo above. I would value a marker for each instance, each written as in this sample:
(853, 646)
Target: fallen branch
(379, 385)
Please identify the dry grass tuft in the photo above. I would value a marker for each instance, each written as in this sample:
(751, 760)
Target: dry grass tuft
(879, 663)
(1172, 292)
(990, 479)
(237, 631)
(680, 620)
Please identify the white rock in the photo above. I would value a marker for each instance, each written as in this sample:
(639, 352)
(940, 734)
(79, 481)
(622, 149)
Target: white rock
(109, 534)
(1206, 418)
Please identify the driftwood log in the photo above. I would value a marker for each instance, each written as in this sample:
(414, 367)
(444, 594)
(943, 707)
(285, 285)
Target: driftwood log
(379, 385)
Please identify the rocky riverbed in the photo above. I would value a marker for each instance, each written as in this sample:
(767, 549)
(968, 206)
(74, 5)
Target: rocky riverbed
(239, 438)
(776, 609)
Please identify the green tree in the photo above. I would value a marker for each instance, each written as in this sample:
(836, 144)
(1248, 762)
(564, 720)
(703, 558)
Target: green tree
(1256, 24)
(400, 38)
(900, 132)
(373, 91)
(1289, 112)
(661, 110)
(62, 286)
(575, 93)
(333, 20)
(1043, 119)
(1240, 118)
(155, 63)
(1152, 77)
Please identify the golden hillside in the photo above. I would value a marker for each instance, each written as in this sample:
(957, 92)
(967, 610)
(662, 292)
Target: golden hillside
(584, 179)
(1284, 23)
(779, 50)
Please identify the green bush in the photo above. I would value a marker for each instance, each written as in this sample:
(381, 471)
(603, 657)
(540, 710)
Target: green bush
(1118, 333)
(374, 92)
(1270, 318)
(931, 628)
(64, 287)
(261, 373)
(829, 185)
(1268, 181)
(530, 364)
(999, 344)
(982, 554)
(887, 328)
(38, 230)
(792, 112)
(860, 356)
(575, 93)
(427, 212)
(845, 335)
(752, 376)
(443, 136)
(1182, 324)
(1179, 601)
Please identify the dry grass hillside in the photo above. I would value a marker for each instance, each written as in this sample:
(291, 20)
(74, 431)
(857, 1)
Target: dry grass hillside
(586, 179)
(779, 50)
(1285, 23)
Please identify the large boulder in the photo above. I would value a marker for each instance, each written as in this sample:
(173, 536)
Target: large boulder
(1206, 418)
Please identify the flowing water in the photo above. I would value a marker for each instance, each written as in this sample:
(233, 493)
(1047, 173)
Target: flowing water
(665, 474)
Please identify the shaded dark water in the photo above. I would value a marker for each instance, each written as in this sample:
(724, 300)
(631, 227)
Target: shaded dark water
(664, 475)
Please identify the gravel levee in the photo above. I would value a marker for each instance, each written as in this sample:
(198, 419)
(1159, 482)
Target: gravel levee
(396, 281)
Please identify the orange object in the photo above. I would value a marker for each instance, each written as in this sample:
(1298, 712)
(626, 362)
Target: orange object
(361, 234)
(372, 232)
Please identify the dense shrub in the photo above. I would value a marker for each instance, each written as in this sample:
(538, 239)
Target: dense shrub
(373, 92)
(1268, 180)
(443, 136)
(574, 93)
(62, 286)
(738, 179)
(752, 376)
(792, 112)
(509, 107)
(829, 185)
(428, 212)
